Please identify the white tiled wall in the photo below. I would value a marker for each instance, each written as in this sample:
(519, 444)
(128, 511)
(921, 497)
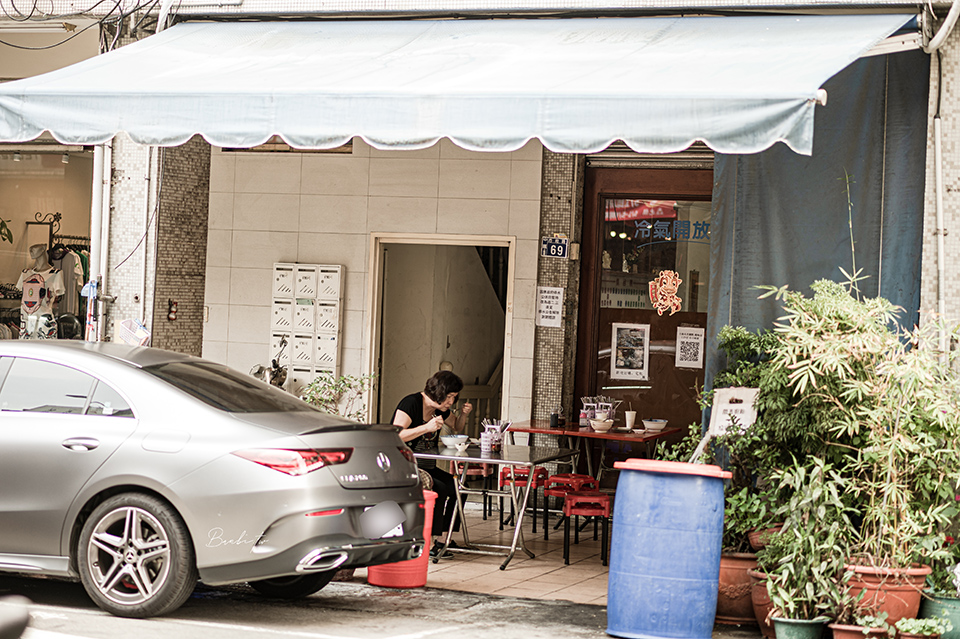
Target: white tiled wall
(321, 209)
(950, 97)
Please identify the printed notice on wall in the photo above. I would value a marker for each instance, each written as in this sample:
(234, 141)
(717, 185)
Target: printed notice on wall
(549, 306)
(689, 347)
(631, 351)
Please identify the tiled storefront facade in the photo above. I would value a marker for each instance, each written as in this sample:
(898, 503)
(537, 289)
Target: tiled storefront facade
(189, 253)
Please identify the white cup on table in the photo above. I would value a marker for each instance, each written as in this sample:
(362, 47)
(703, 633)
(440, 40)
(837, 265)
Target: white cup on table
(630, 418)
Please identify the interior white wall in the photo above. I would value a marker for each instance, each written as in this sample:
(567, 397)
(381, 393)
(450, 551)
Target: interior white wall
(321, 208)
(408, 305)
(41, 183)
(471, 335)
(439, 305)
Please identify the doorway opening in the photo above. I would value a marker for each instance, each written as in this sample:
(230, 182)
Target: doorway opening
(441, 302)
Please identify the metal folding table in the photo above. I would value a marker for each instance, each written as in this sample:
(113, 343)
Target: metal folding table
(529, 457)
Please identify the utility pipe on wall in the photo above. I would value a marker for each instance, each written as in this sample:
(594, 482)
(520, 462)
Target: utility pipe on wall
(96, 213)
(941, 232)
(948, 23)
(147, 217)
(96, 218)
(106, 189)
(934, 47)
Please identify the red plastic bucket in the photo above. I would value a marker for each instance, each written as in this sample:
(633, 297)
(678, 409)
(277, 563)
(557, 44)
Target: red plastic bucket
(413, 572)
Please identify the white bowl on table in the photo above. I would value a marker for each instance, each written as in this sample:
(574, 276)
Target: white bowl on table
(654, 425)
(601, 425)
(451, 441)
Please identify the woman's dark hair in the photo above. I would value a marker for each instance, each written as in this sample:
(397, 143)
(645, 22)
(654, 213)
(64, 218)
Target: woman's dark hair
(442, 384)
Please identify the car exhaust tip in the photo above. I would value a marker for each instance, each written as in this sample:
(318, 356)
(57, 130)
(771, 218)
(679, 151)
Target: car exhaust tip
(320, 560)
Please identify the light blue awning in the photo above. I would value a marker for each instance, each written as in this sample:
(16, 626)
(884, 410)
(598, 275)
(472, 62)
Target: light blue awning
(739, 84)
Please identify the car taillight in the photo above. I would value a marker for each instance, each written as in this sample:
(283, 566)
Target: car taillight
(408, 454)
(326, 513)
(295, 461)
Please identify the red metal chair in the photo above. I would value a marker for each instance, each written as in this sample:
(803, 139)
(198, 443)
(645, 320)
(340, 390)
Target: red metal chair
(484, 471)
(558, 486)
(520, 476)
(592, 503)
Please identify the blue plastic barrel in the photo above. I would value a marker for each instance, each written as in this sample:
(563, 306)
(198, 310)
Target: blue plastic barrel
(665, 550)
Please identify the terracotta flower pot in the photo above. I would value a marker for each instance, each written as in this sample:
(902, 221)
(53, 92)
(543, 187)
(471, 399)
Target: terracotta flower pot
(844, 631)
(734, 604)
(911, 635)
(896, 591)
(758, 538)
(762, 605)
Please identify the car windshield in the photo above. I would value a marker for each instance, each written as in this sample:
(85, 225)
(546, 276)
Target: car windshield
(227, 389)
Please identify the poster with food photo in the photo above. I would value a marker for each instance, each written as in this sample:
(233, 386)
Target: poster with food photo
(631, 351)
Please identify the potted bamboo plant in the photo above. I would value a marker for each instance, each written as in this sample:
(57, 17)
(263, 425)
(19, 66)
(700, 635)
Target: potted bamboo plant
(804, 562)
(888, 407)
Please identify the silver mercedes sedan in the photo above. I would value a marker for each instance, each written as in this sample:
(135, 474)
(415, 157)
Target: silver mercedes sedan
(142, 471)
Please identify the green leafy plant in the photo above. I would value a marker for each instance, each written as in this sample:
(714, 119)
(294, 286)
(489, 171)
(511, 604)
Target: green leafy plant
(869, 622)
(927, 627)
(747, 510)
(944, 579)
(344, 395)
(887, 407)
(805, 561)
(683, 450)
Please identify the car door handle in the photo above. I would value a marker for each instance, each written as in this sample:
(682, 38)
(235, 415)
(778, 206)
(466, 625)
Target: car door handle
(81, 443)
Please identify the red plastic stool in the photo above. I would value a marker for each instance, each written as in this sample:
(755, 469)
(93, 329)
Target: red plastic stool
(558, 486)
(486, 472)
(589, 503)
(520, 477)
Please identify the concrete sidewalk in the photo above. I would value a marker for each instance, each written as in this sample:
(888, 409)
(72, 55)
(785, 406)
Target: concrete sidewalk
(485, 616)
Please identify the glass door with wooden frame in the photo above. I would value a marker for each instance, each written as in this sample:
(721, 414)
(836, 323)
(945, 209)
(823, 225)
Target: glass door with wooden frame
(643, 297)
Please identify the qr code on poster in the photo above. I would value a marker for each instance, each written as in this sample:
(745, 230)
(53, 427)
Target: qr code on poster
(689, 349)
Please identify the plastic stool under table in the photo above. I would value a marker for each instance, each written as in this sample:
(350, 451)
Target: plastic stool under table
(558, 486)
(520, 477)
(589, 503)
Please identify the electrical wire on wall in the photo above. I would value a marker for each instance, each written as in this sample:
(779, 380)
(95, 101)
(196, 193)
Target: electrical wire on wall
(112, 21)
(153, 213)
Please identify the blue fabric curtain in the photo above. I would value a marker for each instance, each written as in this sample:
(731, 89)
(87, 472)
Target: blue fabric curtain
(782, 218)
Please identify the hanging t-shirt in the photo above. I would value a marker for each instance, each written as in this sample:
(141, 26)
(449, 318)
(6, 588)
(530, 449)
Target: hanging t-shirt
(72, 272)
(40, 289)
(412, 405)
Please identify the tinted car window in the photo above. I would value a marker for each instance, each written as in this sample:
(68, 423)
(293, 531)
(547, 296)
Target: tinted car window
(226, 389)
(107, 401)
(44, 387)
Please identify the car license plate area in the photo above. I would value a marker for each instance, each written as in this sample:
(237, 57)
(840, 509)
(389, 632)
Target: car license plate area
(396, 531)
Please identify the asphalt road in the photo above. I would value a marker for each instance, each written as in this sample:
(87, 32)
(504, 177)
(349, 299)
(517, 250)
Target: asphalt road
(342, 610)
(346, 610)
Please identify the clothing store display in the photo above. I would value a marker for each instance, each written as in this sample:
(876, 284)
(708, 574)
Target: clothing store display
(71, 269)
(41, 285)
(38, 326)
